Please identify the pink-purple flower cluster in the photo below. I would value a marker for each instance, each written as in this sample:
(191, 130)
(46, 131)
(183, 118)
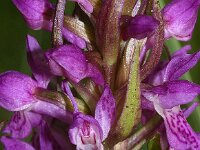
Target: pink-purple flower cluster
(80, 92)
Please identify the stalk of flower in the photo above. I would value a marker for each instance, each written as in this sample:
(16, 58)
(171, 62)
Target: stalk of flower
(107, 89)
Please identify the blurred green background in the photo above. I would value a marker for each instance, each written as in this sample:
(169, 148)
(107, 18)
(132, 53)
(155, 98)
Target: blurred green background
(13, 31)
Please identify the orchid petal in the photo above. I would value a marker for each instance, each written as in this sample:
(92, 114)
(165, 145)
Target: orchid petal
(16, 91)
(73, 38)
(35, 12)
(139, 27)
(85, 5)
(15, 144)
(52, 110)
(46, 140)
(173, 93)
(70, 61)
(179, 65)
(19, 126)
(180, 17)
(105, 111)
(180, 134)
(190, 109)
(37, 62)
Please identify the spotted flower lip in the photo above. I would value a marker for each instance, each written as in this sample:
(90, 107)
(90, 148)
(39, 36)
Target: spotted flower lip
(168, 93)
(180, 17)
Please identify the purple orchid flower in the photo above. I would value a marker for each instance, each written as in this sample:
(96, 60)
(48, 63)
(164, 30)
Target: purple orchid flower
(18, 91)
(87, 132)
(180, 17)
(39, 15)
(169, 93)
(18, 94)
(64, 59)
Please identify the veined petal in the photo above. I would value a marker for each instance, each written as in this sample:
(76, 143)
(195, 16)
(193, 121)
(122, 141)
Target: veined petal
(173, 93)
(37, 62)
(105, 111)
(139, 27)
(179, 65)
(70, 61)
(15, 144)
(47, 142)
(19, 126)
(37, 13)
(180, 17)
(53, 111)
(16, 91)
(73, 38)
(86, 133)
(179, 133)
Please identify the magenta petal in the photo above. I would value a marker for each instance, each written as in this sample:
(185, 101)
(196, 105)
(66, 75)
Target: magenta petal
(16, 91)
(85, 133)
(105, 111)
(46, 140)
(95, 75)
(180, 17)
(190, 109)
(67, 90)
(86, 5)
(139, 27)
(73, 38)
(35, 12)
(175, 93)
(182, 52)
(53, 111)
(180, 65)
(19, 126)
(15, 144)
(51, 138)
(70, 61)
(38, 62)
(180, 134)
